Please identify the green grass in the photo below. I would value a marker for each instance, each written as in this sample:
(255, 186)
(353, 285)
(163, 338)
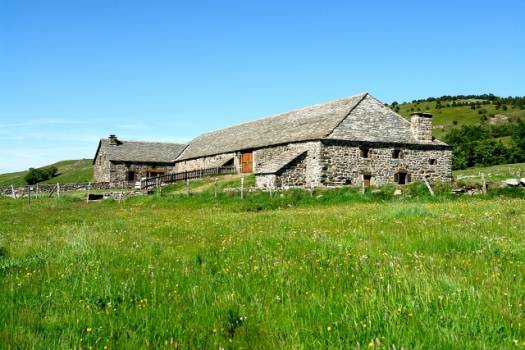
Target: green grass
(443, 118)
(69, 171)
(332, 269)
(492, 173)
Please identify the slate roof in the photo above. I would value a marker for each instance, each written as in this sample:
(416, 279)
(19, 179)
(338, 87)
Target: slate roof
(140, 151)
(310, 123)
(372, 122)
(277, 163)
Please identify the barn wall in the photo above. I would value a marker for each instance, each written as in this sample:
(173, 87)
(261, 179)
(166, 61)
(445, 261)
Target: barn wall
(101, 167)
(119, 170)
(342, 164)
(312, 167)
(205, 162)
(293, 174)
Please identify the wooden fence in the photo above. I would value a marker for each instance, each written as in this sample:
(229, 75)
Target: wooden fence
(159, 180)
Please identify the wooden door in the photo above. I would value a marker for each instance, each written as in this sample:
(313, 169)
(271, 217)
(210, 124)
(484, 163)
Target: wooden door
(366, 180)
(246, 162)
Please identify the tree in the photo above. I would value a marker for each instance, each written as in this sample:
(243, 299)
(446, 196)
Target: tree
(33, 176)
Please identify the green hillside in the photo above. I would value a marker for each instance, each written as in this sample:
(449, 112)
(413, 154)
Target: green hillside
(69, 171)
(450, 112)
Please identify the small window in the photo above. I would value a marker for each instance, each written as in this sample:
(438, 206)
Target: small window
(365, 152)
(131, 176)
(432, 161)
(397, 154)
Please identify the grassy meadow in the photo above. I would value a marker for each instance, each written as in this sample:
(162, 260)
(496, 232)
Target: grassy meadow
(495, 173)
(332, 269)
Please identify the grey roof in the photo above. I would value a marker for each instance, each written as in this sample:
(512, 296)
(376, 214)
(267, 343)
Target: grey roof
(356, 118)
(140, 151)
(278, 162)
(371, 121)
(310, 123)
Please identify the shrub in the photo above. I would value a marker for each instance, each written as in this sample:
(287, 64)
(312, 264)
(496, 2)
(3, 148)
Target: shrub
(34, 176)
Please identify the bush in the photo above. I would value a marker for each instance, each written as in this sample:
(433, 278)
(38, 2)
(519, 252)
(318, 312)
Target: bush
(34, 176)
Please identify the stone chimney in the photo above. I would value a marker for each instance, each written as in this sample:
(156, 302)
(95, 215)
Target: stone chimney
(113, 140)
(421, 126)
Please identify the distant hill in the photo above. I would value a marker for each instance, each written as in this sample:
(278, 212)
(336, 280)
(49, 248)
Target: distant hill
(69, 171)
(483, 130)
(451, 112)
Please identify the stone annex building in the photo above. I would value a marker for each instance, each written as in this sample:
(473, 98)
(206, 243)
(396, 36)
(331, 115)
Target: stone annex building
(119, 161)
(351, 141)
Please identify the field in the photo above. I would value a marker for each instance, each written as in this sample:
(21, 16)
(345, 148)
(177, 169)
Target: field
(492, 173)
(69, 171)
(332, 269)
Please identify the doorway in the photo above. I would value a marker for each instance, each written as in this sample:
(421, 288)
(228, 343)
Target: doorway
(401, 178)
(366, 180)
(246, 161)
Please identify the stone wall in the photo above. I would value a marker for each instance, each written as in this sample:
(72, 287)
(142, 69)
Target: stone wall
(118, 171)
(265, 181)
(46, 189)
(206, 162)
(343, 164)
(293, 174)
(101, 167)
(311, 162)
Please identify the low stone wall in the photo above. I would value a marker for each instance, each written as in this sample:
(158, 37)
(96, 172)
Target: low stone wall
(20, 191)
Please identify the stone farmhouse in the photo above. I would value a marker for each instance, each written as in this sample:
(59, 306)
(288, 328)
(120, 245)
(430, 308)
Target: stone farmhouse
(117, 161)
(352, 141)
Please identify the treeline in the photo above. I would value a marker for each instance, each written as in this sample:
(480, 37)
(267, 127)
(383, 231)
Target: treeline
(487, 98)
(34, 176)
(474, 101)
(479, 145)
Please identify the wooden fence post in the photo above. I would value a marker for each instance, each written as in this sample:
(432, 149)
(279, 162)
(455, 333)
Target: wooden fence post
(37, 190)
(215, 187)
(13, 194)
(483, 184)
(242, 187)
(428, 186)
(29, 194)
(58, 190)
(187, 186)
(362, 183)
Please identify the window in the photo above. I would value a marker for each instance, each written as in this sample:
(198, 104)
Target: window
(131, 176)
(365, 152)
(432, 161)
(397, 154)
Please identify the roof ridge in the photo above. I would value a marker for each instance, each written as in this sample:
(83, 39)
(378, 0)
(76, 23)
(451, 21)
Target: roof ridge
(143, 141)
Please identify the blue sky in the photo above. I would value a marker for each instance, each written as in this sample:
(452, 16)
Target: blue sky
(72, 72)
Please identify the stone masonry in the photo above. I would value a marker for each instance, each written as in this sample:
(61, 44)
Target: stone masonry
(343, 164)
